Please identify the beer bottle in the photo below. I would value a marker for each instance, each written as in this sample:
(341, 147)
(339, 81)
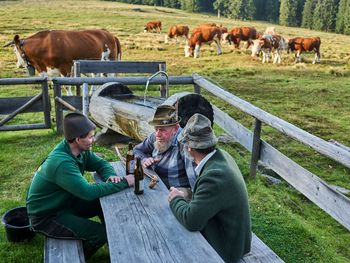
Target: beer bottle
(130, 162)
(138, 173)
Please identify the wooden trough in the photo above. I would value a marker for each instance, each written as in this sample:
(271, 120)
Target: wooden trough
(114, 106)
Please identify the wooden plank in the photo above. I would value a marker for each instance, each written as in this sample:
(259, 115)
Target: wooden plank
(141, 228)
(315, 189)
(63, 251)
(58, 108)
(20, 127)
(260, 253)
(328, 149)
(8, 105)
(318, 191)
(239, 133)
(21, 109)
(164, 89)
(46, 104)
(12, 81)
(256, 148)
(173, 80)
(91, 66)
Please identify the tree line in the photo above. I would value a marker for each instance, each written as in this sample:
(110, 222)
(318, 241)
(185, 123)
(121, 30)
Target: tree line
(324, 15)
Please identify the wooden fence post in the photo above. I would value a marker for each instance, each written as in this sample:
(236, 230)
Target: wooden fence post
(58, 108)
(77, 74)
(197, 88)
(85, 99)
(46, 103)
(255, 148)
(163, 88)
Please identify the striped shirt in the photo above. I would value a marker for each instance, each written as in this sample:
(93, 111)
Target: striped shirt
(173, 168)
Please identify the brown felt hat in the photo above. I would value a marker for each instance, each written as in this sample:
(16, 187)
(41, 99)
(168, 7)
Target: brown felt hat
(198, 133)
(165, 115)
(76, 124)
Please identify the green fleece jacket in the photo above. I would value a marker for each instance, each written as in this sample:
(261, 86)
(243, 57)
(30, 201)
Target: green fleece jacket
(219, 208)
(60, 179)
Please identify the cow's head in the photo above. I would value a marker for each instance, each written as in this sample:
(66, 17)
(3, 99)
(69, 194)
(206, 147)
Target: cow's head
(22, 60)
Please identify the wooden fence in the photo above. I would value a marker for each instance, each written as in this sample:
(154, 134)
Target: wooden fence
(318, 191)
(16, 105)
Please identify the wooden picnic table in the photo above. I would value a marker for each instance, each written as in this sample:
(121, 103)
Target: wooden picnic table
(142, 228)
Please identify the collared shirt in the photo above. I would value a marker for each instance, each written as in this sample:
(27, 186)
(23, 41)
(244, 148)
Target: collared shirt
(173, 168)
(201, 164)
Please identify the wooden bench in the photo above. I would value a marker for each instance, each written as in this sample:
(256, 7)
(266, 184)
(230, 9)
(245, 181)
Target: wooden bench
(260, 252)
(63, 251)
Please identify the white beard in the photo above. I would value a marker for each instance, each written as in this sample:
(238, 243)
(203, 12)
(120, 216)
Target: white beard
(162, 146)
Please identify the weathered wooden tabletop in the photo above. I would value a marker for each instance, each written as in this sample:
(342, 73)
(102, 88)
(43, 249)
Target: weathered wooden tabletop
(142, 228)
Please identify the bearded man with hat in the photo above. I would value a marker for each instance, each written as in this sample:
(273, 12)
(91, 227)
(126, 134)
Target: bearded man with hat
(219, 207)
(162, 152)
(60, 200)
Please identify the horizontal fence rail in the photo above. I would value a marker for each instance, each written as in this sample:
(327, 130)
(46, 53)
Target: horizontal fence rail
(330, 150)
(98, 66)
(315, 189)
(174, 80)
(17, 105)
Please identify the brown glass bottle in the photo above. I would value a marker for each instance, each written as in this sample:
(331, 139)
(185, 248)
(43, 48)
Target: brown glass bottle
(130, 162)
(138, 174)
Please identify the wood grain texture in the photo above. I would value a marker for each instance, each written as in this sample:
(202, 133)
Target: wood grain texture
(328, 149)
(63, 251)
(314, 188)
(142, 228)
(260, 253)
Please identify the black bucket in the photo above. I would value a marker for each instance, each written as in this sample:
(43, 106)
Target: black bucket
(16, 223)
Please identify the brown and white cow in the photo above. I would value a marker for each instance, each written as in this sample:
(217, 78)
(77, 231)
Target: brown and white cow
(53, 51)
(301, 44)
(153, 26)
(202, 35)
(238, 34)
(177, 31)
(268, 44)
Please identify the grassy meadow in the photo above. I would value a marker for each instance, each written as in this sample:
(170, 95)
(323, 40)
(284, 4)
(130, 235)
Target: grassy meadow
(315, 98)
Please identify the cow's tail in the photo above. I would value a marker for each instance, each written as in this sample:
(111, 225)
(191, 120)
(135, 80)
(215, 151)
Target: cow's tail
(119, 49)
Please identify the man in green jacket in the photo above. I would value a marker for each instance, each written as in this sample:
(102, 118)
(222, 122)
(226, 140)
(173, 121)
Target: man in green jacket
(60, 200)
(219, 207)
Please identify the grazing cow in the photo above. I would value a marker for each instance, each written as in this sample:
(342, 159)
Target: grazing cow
(177, 31)
(153, 26)
(269, 44)
(200, 36)
(55, 50)
(236, 35)
(300, 44)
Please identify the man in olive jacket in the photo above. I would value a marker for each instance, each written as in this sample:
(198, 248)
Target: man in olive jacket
(60, 200)
(219, 207)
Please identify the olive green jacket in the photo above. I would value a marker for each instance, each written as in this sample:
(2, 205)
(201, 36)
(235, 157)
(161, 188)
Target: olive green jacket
(60, 179)
(219, 208)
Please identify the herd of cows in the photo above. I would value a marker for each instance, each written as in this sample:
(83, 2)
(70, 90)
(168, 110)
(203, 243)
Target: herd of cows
(267, 43)
(52, 52)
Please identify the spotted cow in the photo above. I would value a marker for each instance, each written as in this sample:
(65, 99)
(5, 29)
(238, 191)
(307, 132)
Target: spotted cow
(269, 44)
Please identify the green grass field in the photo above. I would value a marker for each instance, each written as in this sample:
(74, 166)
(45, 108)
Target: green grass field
(313, 97)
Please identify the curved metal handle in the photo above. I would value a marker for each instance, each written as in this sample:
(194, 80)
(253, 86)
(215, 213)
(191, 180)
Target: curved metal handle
(150, 78)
